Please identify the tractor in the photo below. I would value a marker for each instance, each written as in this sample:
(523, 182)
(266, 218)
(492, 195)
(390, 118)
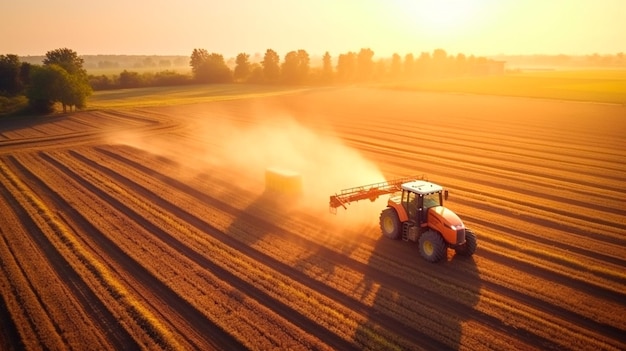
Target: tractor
(415, 212)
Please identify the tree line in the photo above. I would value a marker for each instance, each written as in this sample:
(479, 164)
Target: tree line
(295, 69)
(63, 79)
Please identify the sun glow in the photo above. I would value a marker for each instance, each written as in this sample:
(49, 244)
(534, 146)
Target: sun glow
(443, 17)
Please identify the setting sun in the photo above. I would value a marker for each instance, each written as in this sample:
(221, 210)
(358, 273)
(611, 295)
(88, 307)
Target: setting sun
(443, 17)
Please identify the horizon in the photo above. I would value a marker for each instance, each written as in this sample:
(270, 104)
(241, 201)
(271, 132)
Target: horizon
(471, 27)
(321, 55)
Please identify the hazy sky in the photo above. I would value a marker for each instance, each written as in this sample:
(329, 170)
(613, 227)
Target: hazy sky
(229, 27)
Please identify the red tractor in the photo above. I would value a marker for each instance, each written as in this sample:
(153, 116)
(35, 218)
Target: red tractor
(415, 212)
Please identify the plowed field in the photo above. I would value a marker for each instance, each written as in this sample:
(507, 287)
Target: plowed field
(150, 228)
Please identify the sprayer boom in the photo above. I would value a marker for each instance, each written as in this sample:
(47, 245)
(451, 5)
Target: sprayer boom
(370, 191)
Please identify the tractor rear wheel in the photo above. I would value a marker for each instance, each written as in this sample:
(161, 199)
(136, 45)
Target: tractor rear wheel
(390, 223)
(469, 247)
(432, 246)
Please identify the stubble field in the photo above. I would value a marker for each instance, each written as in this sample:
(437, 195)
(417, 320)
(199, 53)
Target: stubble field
(149, 228)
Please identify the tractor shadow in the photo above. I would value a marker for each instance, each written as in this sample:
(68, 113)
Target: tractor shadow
(407, 303)
(261, 216)
(417, 304)
(283, 216)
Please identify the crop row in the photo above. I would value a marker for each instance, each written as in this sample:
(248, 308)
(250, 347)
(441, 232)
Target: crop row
(279, 246)
(248, 237)
(302, 298)
(148, 253)
(146, 256)
(58, 242)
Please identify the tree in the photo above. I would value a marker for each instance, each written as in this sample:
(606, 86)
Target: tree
(129, 79)
(256, 74)
(289, 68)
(198, 57)
(423, 64)
(75, 92)
(100, 82)
(242, 67)
(52, 83)
(148, 62)
(396, 66)
(70, 84)
(365, 64)
(271, 68)
(46, 83)
(209, 68)
(439, 62)
(67, 59)
(169, 78)
(304, 63)
(11, 83)
(215, 70)
(295, 67)
(25, 73)
(409, 65)
(327, 68)
(346, 67)
(460, 66)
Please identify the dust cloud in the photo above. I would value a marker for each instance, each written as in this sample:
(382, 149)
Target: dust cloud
(325, 163)
(245, 150)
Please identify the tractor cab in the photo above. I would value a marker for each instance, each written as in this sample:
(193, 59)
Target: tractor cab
(419, 208)
(420, 195)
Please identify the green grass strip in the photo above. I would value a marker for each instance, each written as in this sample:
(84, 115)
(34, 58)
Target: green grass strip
(179, 95)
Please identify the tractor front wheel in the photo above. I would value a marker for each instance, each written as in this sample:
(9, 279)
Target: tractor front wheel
(390, 223)
(432, 246)
(469, 247)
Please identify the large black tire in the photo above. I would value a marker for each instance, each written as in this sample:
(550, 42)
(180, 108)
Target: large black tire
(432, 247)
(469, 247)
(390, 223)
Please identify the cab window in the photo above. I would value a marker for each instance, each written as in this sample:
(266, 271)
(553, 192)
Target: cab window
(432, 200)
(412, 204)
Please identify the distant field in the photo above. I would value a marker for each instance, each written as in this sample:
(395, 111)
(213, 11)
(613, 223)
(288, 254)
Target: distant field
(604, 86)
(178, 95)
(115, 71)
(607, 86)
